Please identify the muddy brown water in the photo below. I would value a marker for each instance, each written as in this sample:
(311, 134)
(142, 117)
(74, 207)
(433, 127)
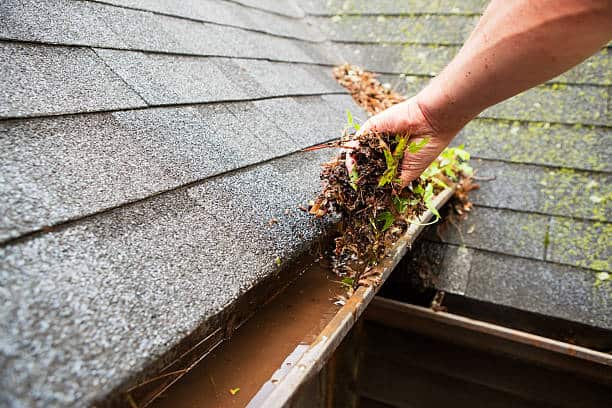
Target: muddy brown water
(258, 349)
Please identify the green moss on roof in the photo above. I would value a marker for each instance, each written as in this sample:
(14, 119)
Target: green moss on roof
(414, 29)
(419, 59)
(581, 243)
(575, 146)
(578, 194)
(404, 7)
(556, 103)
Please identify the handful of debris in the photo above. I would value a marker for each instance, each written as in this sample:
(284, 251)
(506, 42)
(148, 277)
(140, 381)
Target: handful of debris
(373, 208)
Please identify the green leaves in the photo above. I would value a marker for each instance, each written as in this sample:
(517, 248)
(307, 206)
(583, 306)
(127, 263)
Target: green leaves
(398, 152)
(428, 200)
(386, 219)
(354, 177)
(350, 121)
(416, 147)
(393, 160)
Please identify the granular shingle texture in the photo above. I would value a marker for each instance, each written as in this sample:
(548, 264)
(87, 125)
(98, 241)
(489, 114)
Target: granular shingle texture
(41, 80)
(229, 13)
(95, 302)
(146, 144)
(140, 165)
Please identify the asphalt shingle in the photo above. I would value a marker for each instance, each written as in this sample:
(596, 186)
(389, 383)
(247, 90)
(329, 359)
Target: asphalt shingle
(153, 32)
(288, 79)
(336, 7)
(578, 146)
(417, 59)
(315, 110)
(253, 127)
(581, 243)
(420, 29)
(57, 169)
(298, 117)
(166, 79)
(581, 104)
(101, 25)
(43, 80)
(535, 286)
(540, 287)
(56, 21)
(562, 192)
(98, 302)
(228, 13)
(503, 231)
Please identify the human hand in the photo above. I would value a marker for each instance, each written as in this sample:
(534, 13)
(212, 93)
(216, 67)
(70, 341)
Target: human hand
(409, 117)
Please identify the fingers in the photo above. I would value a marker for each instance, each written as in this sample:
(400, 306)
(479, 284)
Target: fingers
(350, 160)
(386, 121)
(413, 164)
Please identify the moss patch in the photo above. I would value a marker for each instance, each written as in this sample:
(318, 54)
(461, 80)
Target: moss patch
(584, 244)
(578, 146)
(578, 194)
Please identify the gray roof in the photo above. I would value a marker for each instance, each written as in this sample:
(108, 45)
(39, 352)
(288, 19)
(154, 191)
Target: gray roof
(145, 145)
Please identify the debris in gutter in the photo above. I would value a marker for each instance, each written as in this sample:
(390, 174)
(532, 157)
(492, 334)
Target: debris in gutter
(374, 210)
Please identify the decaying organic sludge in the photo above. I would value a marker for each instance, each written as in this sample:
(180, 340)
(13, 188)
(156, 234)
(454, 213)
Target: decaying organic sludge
(373, 208)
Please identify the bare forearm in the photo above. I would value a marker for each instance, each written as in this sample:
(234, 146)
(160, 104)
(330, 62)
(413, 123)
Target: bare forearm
(515, 46)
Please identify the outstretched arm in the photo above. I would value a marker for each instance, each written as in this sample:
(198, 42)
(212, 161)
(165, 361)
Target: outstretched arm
(515, 46)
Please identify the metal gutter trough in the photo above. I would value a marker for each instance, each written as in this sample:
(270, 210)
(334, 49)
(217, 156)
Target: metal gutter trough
(293, 341)
(235, 373)
(312, 358)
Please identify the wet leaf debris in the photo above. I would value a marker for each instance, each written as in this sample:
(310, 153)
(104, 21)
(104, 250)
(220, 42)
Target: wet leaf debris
(372, 208)
(365, 89)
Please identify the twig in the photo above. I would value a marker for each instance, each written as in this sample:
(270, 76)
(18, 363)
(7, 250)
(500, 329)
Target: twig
(491, 178)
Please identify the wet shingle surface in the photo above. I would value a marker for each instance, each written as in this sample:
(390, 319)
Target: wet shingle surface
(528, 188)
(546, 288)
(525, 232)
